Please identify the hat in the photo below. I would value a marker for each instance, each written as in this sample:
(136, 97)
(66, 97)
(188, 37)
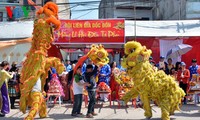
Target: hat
(194, 60)
(162, 57)
(80, 55)
(183, 64)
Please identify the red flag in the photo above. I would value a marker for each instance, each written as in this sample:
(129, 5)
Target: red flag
(9, 11)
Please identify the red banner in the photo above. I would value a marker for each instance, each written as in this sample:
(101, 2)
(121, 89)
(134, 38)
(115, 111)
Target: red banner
(91, 31)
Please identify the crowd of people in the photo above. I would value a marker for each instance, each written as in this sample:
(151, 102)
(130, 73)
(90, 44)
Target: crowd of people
(182, 73)
(88, 76)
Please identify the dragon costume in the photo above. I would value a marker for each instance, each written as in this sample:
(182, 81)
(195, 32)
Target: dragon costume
(37, 63)
(149, 83)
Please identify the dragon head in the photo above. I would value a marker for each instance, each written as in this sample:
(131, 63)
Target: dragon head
(135, 53)
(50, 14)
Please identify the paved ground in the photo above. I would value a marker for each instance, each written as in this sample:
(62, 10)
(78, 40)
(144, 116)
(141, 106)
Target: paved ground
(188, 112)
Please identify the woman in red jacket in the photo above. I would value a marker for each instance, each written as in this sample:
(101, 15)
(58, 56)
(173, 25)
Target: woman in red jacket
(183, 78)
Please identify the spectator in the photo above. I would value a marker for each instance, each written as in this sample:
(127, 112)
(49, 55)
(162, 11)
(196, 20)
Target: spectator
(153, 63)
(13, 67)
(68, 66)
(78, 85)
(104, 76)
(4, 105)
(90, 78)
(193, 68)
(177, 66)
(13, 85)
(162, 64)
(114, 86)
(183, 77)
(169, 66)
(120, 66)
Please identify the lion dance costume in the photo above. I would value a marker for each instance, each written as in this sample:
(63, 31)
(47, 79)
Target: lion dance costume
(97, 54)
(37, 64)
(149, 83)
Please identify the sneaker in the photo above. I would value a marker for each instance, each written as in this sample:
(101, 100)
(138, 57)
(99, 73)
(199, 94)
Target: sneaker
(75, 115)
(13, 107)
(80, 115)
(94, 114)
(89, 115)
(2, 115)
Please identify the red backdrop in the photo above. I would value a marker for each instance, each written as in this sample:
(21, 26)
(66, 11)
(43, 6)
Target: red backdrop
(153, 44)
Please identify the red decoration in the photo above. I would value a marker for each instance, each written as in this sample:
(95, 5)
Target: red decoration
(91, 31)
(9, 11)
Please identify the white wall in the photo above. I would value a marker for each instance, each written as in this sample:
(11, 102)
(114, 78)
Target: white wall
(15, 53)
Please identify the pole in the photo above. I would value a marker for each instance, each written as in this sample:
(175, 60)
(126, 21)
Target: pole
(135, 19)
(42, 3)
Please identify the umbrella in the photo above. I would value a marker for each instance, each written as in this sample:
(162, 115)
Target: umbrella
(178, 50)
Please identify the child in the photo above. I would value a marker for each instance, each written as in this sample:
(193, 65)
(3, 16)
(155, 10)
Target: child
(90, 78)
(78, 85)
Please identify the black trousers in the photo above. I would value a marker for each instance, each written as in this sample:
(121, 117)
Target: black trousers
(184, 87)
(12, 101)
(77, 104)
(92, 96)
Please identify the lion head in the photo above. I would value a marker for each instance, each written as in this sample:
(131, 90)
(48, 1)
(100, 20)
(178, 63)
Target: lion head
(98, 55)
(135, 53)
(49, 12)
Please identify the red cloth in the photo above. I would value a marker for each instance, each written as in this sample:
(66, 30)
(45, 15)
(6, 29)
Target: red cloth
(186, 74)
(114, 86)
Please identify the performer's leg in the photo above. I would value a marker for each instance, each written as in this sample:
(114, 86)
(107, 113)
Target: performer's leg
(36, 98)
(165, 109)
(146, 107)
(43, 109)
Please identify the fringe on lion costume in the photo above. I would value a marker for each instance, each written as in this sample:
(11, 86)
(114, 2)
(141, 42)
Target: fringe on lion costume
(37, 64)
(149, 83)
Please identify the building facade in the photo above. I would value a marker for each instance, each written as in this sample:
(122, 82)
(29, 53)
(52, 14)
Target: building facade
(18, 13)
(177, 9)
(3, 12)
(128, 9)
(150, 9)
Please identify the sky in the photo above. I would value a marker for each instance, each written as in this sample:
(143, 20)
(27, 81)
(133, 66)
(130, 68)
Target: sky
(84, 14)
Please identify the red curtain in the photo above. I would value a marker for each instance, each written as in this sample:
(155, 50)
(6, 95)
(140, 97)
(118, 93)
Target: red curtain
(194, 53)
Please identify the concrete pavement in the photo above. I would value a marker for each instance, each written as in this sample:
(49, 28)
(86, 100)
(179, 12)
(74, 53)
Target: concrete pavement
(63, 112)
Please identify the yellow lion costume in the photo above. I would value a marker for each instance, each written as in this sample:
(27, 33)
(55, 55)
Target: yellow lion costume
(37, 64)
(149, 83)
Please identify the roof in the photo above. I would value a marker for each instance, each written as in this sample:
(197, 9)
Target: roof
(23, 29)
